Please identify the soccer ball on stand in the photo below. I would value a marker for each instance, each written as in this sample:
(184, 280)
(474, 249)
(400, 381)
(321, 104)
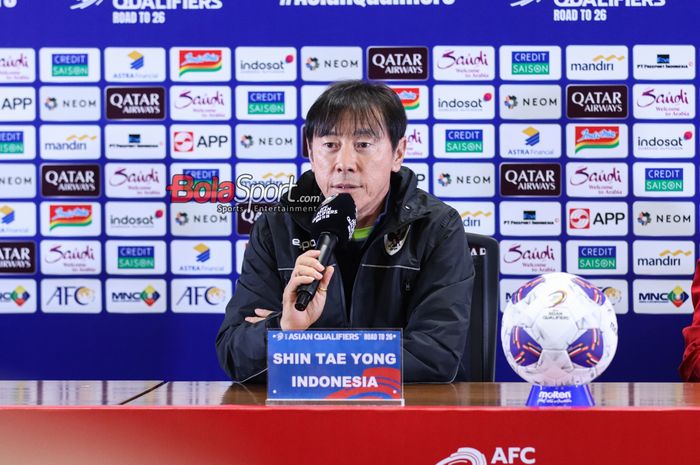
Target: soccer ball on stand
(559, 330)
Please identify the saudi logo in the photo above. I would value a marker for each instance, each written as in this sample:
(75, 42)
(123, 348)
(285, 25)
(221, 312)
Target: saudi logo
(677, 296)
(533, 136)
(204, 253)
(19, 295)
(136, 60)
(7, 215)
(149, 295)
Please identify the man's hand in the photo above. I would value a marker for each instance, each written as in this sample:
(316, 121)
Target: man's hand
(306, 269)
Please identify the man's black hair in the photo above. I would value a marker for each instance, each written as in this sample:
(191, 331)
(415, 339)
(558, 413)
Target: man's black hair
(371, 106)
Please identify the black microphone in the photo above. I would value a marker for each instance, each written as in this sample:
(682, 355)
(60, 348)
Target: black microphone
(331, 226)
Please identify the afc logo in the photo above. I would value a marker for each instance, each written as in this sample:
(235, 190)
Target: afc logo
(70, 295)
(194, 296)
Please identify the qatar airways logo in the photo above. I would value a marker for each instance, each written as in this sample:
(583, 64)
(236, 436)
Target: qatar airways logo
(530, 257)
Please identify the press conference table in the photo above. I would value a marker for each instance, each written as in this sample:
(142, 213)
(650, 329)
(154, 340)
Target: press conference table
(122, 422)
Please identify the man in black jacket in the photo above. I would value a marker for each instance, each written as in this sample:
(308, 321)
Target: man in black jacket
(407, 266)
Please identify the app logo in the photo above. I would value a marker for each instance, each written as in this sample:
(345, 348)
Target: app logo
(532, 179)
(183, 141)
(596, 137)
(136, 258)
(529, 63)
(11, 142)
(137, 60)
(17, 104)
(200, 61)
(74, 216)
(69, 64)
(17, 257)
(663, 179)
(597, 258)
(397, 63)
(579, 218)
(70, 180)
(135, 103)
(597, 101)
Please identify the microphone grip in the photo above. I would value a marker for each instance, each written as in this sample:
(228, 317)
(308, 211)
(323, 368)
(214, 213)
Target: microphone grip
(305, 293)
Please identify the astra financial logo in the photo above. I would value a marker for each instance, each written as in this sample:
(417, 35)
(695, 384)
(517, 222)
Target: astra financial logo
(602, 101)
(397, 63)
(17, 257)
(135, 103)
(530, 179)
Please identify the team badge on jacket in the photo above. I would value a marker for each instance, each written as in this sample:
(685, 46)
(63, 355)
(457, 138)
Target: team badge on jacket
(393, 242)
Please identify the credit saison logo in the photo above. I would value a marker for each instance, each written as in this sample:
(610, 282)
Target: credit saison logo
(596, 137)
(464, 140)
(17, 257)
(663, 180)
(529, 63)
(136, 257)
(135, 103)
(70, 180)
(536, 179)
(69, 64)
(403, 63)
(597, 257)
(11, 142)
(266, 103)
(597, 101)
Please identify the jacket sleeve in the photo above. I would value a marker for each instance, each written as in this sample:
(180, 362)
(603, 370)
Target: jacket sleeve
(437, 327)
(690, 366)
(241, 346)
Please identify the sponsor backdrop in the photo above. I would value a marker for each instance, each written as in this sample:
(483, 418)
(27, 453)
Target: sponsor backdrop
(564, 128)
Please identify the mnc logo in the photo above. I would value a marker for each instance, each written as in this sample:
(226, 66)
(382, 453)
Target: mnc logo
(464, 141)
(597, 258)
(663, 180)
(266, 103)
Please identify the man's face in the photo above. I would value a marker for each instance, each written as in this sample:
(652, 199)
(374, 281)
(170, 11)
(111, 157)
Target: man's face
(352, 160)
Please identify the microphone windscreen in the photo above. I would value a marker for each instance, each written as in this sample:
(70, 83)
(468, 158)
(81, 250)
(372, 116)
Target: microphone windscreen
(337, 215)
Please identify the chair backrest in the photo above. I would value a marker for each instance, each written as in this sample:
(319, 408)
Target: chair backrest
(479, 358)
